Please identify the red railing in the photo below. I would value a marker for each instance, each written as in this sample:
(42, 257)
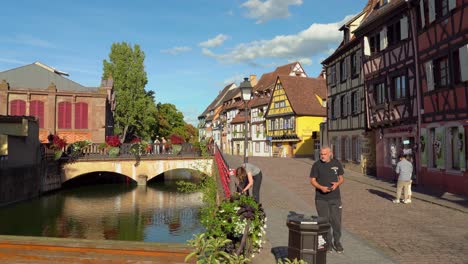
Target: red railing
(223, 170)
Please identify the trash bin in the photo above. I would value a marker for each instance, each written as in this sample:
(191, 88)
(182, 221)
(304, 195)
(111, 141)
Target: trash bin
(307, 238)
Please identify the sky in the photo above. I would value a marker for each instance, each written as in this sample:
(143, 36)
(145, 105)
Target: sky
(193, 48)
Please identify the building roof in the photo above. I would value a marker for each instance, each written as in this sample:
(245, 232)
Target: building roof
(239, 118)
(39, 76)
(374, 12)
(219, 99)
(268, 80)
(302, 94)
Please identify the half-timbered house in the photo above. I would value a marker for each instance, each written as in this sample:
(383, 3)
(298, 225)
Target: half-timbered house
(442, 45)
(295, 111)
(390, 81)
(346, 126)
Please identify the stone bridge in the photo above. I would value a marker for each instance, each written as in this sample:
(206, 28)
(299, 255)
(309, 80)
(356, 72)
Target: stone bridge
(141, 171)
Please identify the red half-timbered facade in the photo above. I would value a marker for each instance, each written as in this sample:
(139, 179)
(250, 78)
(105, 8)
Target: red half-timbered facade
(442, 43)
(390, 81)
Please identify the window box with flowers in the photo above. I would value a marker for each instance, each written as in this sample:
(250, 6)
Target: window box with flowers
(112, 146)
(58, 145)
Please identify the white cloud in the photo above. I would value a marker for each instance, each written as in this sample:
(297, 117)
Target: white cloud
(237, 79)
(269, 9)
(214, 42)
(177, 50)
(315, 40)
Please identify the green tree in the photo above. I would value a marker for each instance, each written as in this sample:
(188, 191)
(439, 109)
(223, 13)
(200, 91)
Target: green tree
(170, 120)
(135, 110)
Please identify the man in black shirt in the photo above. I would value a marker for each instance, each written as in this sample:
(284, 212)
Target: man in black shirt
(326, 176)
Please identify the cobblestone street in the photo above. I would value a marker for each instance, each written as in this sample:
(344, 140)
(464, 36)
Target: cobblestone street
(376, 230)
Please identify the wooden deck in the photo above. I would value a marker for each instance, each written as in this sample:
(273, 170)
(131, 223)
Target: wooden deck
(14, 249)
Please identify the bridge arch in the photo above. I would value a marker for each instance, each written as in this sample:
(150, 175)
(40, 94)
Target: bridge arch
(129, 167)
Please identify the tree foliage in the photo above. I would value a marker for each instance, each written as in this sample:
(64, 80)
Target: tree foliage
(135, 110)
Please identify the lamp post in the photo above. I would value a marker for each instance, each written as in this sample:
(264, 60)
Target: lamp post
(246, 91)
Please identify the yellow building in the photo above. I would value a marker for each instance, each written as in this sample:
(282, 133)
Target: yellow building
(296, 109)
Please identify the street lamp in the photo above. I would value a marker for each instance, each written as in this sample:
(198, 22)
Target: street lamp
(246, 91)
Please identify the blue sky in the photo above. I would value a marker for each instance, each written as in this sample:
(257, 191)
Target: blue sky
(193, 47)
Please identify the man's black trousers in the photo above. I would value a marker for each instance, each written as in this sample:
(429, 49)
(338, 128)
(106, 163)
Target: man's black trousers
(331, 209)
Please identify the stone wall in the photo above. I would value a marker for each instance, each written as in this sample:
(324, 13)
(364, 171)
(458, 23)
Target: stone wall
(27, 182)
(19, 183)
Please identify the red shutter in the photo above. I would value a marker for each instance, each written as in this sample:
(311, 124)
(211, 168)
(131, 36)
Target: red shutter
(68, 118)
(84, 116)
(40, 113)
(36, 108)
(81, 115)
(78, 115)
(64, 115)
(18, 108)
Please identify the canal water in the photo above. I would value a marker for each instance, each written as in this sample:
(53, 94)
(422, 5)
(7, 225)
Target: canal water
(120, 211)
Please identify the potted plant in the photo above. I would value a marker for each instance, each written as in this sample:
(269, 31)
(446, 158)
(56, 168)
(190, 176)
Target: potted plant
(176, 142)
(57, 145)
(113, 143)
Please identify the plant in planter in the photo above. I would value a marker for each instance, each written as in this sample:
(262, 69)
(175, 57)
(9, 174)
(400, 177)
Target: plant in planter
(176, 142)
(138, 148)
(57, 145)
(77, 148)
(113, 143)
(241, 221)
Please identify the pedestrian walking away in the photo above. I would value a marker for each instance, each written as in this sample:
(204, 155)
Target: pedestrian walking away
(326, 176)
(253, 174)
(404, 169)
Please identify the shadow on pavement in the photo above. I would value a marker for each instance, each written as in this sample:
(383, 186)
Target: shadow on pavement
(381, 194)
(280, 253)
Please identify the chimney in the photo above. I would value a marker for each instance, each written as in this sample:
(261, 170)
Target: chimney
(253, 80)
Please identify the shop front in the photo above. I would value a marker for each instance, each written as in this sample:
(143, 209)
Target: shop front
(390, 143)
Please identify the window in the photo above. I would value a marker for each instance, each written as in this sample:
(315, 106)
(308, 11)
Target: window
(266, 147)
(442, 8)
(356, 149)
(379, 93)
(36, 108)
(276, 124)
(343, 73)
(332, 108)
(354, 64)
(281, 123)
(374, 43)
(441, 72)
(17, 108)
(394, 33)
(399, 87)
(432, 148)
(456, 141)
(354, 102)
(456, 66)
(81, 115)
(293, 122)
(64, 115)
(280, 104)
(257, 147)
(343, 105)
(333, 74)
(279, 86)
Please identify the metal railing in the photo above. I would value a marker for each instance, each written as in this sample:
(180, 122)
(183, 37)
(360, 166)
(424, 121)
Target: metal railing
(223, 171)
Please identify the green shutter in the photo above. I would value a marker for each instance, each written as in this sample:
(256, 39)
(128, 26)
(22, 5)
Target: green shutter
(461, 143)
(423, 147)
(440, 148)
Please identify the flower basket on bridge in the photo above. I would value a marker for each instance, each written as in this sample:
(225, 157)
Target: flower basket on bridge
(57, 145)
(114, 152)
(176, 142)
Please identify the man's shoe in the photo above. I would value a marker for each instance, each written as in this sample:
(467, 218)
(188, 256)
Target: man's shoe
(408, 201)
(339, 248)
(396, 201)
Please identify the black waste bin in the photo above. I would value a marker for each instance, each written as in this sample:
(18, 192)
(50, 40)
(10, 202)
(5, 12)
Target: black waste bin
(307, 238)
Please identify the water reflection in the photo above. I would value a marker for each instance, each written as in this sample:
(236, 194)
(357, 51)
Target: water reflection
(156, 213)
